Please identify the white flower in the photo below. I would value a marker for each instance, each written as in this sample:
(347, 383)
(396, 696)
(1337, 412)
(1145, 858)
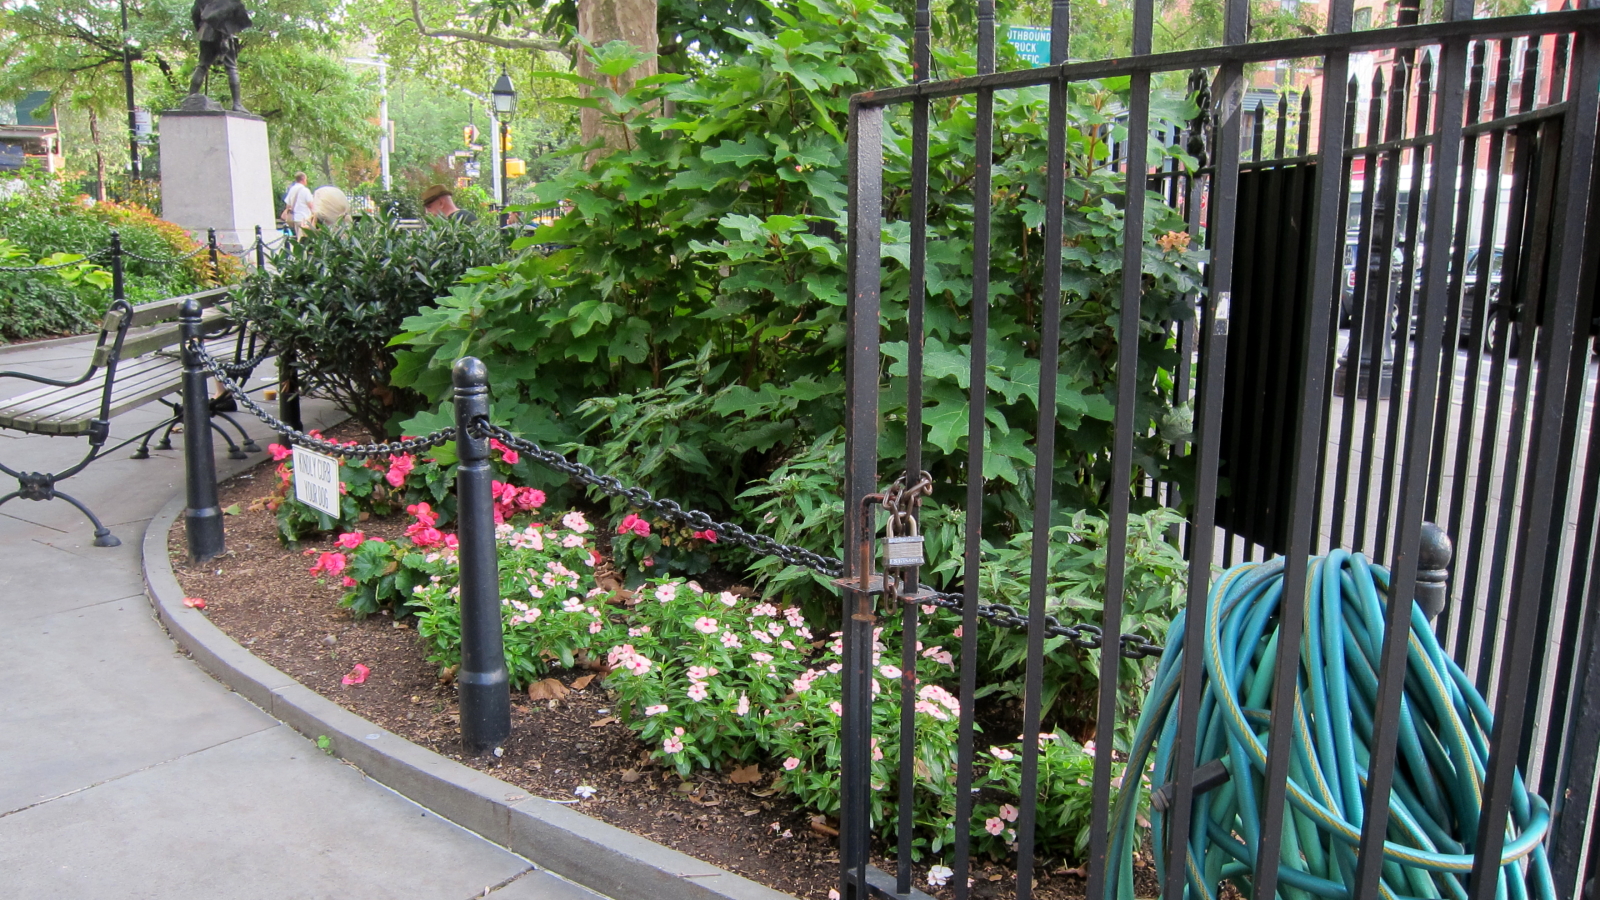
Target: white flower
(938, 875)
(584, 791)
(666, 592)
(576, 522)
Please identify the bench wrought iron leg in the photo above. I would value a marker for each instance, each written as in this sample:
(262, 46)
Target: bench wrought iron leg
(42, 486)
(233, 449)
(143, 452)
(245, 440)
(177, 419)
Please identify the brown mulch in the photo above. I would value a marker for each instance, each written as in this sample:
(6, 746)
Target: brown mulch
(260, 594)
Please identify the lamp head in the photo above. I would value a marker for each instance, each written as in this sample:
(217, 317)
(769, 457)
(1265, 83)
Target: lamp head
(505, 97)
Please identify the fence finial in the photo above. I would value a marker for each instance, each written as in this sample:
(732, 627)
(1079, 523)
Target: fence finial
(1433, 564)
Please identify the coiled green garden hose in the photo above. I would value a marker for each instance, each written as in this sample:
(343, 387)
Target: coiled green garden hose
(1438, 782)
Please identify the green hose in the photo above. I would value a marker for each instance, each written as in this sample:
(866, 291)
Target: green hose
(1438, 782)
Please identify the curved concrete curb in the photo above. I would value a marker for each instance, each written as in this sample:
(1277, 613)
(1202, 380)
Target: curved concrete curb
(598, 856)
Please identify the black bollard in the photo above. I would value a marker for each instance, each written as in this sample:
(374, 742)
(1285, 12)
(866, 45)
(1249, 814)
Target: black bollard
(289, 391)
(202, 520)
(482, 681)
(216, 271)
(118, 290)
(1433, 565)
(261, 251)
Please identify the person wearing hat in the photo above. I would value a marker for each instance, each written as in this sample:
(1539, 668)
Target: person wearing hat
(438, 201)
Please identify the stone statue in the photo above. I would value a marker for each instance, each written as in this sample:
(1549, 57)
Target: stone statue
(218, 23)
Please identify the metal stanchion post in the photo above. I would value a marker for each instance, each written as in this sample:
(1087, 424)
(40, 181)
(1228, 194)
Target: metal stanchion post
(289, 391)
(202, 520)
(118, 289)
(482, 681)
(261, 251)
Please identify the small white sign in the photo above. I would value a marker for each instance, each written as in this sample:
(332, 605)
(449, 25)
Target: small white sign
(316, 480)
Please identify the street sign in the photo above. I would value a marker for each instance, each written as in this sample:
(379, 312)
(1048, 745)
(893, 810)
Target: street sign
(1032, 44)
(316, 480)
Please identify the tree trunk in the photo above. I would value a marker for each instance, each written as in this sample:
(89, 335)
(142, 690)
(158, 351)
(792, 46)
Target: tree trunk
(599, 23)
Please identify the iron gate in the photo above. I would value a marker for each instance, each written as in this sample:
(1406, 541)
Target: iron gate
(1528, 562)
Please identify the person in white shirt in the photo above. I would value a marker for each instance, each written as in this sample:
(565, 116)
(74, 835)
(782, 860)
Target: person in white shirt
(297, 205)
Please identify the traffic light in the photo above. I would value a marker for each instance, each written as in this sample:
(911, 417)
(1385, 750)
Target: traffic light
(470, 134)
(515, 168)
(505, 142)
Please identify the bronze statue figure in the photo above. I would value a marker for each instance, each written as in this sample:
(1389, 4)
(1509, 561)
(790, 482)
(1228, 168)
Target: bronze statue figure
(218, 23)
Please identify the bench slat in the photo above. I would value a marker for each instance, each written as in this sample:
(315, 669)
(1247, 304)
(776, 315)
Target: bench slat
(32, 404)
(42, 412)
(152, 338)
(168, 309)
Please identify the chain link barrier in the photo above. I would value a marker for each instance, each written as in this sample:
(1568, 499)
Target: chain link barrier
(83, 258)
(999, 615)
(165, 261)
(295, 436)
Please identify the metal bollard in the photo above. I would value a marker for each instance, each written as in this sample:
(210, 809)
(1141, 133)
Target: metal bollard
(289, 391)
(202, 520)
(483, 683)
(261, 251)
(118, 290)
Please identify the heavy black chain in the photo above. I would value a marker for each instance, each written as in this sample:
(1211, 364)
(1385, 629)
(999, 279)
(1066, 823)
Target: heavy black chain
(165, 261)
(640, 499)
(1000, 615)
(299, 438)
(77, 262)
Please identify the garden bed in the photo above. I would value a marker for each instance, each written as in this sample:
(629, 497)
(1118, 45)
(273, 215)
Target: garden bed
(261, 595)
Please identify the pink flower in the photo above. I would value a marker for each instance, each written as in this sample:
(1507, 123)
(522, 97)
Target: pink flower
(836, 707)
(452, 542)
(760, 657)
(929, 610)
(1088, 747)
(656, 710)
(576, 522)
(330, 564)
(399, 467)
(889, 671)
(728, 598)
(572, 540)
(648, 561)
(731, 640)
(744, 705)
(424, 513)
(279, 452)
(707, 535)
(634, 525)
(877, 752)
(350, 540)
(507, 455)
(596, 626)
(1002, 753)
(357, 675)
(794, 616)
(667, 592)
(671, 745)
(1008, 812)
(530, 498)
(348, 582)
(705, 625)
(957, 632)
(700, 673)
(994, 825)
(424, 535)
(792, 763)
(697, 691)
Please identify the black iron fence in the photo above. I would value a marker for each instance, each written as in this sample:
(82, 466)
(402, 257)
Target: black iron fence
(1438, 369)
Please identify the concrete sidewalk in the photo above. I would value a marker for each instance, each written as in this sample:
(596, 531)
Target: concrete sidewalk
(127, 772)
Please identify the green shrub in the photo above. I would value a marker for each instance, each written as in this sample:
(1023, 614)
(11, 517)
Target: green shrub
(338, 295)
(44, 221)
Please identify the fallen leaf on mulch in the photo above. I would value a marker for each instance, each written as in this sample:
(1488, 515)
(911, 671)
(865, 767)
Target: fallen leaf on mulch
(194, 603)
(548, 689)
(601, 723)
(579, 684)
(820, 825)
(357, 675)
(750, 774)
(448, 674)
(629, 776)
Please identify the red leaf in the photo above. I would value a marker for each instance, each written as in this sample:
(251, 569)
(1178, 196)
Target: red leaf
(357, 675)
(194, 603)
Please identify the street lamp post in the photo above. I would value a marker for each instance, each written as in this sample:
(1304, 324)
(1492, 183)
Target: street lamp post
(505, 106)
(127, 84)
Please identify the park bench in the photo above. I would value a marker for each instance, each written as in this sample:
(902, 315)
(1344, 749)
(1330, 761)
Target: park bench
(137, 360)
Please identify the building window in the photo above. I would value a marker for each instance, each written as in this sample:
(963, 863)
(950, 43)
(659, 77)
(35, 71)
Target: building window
(1363, 19)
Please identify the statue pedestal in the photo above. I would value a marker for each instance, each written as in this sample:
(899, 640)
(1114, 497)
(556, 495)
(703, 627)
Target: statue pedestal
(216, 172)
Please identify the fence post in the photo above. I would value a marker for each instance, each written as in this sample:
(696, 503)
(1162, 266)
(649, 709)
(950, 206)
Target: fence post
(261, 251)
(202, 520)
(482, 680)
(118, 289)
(1433, 570)
(216, 271)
